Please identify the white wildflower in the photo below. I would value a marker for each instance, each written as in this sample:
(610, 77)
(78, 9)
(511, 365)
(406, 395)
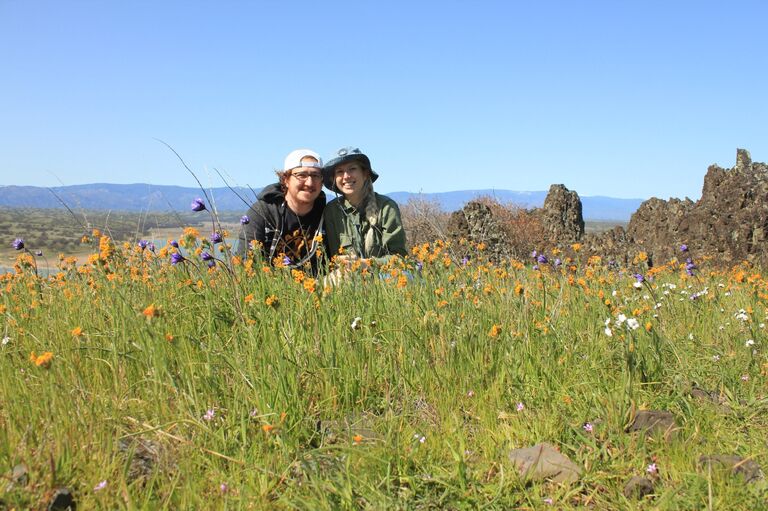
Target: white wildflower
(621, 318)
(633, 324)
(750, 342)
(608, 331)
(5, 340)
(356, 323)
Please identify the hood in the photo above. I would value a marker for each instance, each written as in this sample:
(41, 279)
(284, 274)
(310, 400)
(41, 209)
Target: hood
(272, 194)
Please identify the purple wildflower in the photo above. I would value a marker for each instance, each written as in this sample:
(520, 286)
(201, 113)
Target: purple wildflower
(198, 204)
(244, 220)
(100, 486)
(464, 261)
(18, 244)
(542, 259)
(143, 244)
(209, 414)
(286, 261)
(535, 267)
(205, 256)
(39, 253)
(211, 263)
(216, 237)
(558, 262)
(534, 254)
(683, 248)
(176, 258)
(419, 265)
(639, 277)
(151, 246)
(690, 266)
(174, 244)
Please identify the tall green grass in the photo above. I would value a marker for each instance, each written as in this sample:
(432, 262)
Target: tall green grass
(247, 405)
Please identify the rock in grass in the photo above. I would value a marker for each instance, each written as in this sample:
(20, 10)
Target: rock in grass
(651, 422)
(19, 477)
(543, 461)
(145, 457)
(748, 469)
(352, 426)
(713, 397)
(61, 500)
(638, 487)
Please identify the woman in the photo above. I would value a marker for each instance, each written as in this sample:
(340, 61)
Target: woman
(360, 224)
(288, 215)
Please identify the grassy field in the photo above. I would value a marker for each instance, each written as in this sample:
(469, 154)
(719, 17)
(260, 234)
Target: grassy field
(138, 384)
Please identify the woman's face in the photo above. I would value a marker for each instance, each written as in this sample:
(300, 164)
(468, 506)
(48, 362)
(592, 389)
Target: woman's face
(350, 178)
(304, 183)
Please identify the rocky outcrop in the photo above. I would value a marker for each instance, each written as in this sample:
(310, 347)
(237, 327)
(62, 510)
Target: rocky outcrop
(561, 215)
(729, 222)
(476, 223)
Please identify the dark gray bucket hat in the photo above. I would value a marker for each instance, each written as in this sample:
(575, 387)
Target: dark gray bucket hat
(344, 155)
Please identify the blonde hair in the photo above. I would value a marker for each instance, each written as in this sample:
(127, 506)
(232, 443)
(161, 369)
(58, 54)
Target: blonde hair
(370, 208)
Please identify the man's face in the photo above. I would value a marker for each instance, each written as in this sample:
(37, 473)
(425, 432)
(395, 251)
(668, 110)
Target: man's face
(304, 183)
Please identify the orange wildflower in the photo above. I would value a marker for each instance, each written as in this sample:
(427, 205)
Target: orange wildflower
(77, 331)
(494, 331)
(151, 311)
(42, 360)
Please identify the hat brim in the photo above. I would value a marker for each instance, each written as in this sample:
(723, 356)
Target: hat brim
(329, 170)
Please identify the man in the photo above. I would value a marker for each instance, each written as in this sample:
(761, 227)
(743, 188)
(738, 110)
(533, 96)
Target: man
(287, 218)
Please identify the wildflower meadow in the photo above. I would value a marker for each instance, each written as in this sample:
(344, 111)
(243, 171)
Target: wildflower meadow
(183, 377)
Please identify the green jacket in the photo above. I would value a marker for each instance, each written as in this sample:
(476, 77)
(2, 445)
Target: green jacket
(347, 228)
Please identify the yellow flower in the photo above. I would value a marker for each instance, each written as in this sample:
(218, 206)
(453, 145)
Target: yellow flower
(272, 301)
(43, 360)
(494, 331)
(151, 311)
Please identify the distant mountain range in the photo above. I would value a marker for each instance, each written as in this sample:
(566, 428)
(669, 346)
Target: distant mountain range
(146, 197)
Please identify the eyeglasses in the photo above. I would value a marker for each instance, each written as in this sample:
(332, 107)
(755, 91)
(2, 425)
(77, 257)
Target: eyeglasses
(304, 175)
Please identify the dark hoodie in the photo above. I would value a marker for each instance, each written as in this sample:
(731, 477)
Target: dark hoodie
(279, 230)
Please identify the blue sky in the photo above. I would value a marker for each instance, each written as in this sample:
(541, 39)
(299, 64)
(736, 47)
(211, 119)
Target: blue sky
(625, 99)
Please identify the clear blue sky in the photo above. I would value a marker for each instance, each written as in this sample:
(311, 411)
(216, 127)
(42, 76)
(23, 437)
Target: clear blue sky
(618, 98)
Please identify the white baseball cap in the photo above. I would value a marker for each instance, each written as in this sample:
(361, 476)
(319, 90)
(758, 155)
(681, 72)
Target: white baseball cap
(294, 158)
